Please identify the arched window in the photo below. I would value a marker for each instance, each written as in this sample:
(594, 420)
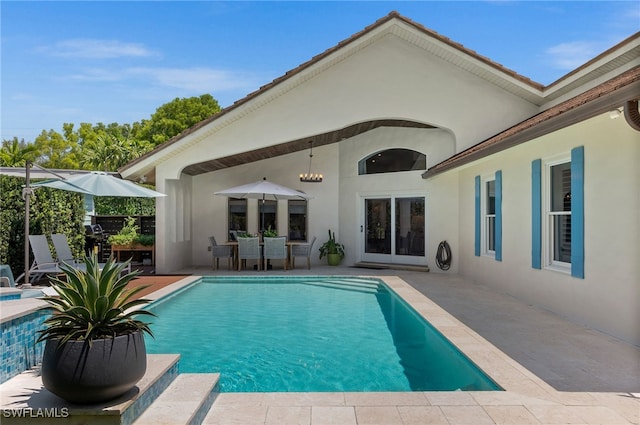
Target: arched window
(392, 161)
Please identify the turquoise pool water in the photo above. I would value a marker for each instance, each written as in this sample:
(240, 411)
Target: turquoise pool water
(308, 334)
(20, 294)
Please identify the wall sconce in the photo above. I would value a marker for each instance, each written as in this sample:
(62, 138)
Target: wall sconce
(309, 177)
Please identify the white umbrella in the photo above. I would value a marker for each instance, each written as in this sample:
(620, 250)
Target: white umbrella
(264, 190)
(101, 184)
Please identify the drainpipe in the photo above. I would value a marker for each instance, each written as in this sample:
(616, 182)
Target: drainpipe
(632, 115)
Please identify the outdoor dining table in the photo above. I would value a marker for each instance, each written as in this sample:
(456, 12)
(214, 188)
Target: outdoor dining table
(234, 249)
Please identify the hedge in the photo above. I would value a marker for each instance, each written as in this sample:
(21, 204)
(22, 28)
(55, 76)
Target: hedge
(50, 211)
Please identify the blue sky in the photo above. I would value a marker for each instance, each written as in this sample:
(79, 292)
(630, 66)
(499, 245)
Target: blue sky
(118, 61)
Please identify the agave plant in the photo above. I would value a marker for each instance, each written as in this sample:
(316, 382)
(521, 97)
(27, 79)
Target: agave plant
(93, 303)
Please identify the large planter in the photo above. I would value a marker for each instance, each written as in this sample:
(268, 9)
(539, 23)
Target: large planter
(132, 247)
(82, 374)
(334, 259)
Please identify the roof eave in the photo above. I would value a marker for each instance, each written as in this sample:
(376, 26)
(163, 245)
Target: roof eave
(596, 101)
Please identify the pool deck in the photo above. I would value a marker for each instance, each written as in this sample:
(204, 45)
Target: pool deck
(553, 371)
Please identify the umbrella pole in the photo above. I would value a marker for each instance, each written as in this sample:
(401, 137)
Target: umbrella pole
(262, 215)
(27, 195)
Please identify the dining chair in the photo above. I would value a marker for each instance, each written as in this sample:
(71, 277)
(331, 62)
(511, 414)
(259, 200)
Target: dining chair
(248, 249)
(275, 249)
(302, 250)
(218, 252)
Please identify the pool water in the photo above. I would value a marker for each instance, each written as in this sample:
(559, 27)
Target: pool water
(11, 294)
(306, 335)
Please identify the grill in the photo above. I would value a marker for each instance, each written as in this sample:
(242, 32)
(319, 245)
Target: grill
(94, 238)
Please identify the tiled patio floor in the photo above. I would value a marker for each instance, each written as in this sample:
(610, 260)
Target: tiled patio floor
(559, 345)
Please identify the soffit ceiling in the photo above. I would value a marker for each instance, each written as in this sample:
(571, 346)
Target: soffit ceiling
(296, 145)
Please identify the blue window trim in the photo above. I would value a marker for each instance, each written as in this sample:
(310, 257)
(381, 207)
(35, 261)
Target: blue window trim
(498, 228)
(536, 214)
(477, 216)
(577, 212)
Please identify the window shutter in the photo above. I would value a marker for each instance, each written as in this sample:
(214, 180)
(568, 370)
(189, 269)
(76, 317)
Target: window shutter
(577, 212)
(498, 228)
(536, 214)
(477, 216)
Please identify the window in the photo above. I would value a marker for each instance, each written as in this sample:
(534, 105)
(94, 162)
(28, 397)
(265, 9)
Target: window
(557, 227)
(237, 216)
(559, 214)
(490, 217)
(267, 214)
(391, 161)
(297, 220)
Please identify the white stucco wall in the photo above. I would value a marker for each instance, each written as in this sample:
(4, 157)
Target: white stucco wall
(173, 224)
(388, 79)
(608, 298)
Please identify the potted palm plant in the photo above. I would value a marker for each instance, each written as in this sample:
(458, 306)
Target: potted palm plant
(94, 348)
(333, 250)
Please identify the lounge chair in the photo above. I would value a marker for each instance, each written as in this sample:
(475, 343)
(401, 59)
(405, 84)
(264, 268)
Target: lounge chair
(220, 251)
(64, 255)
(302, 250)
(6, 276)
(43, 262)
(63, 250)
(248, 249)
(275, 249)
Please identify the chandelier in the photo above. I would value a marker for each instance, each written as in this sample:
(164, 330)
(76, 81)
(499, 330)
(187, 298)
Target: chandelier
(309, 177)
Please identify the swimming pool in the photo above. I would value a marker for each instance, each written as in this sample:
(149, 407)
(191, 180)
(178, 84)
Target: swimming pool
(308, 334)
(9, 294)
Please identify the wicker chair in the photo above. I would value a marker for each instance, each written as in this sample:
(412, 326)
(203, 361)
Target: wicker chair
(275, 249)
(218, 252)
(302, 250)
(248, 249)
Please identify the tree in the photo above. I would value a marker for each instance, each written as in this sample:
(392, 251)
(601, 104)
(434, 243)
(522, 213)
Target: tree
(108, 147)
(16, 153)
(172, 118)
(55, 150)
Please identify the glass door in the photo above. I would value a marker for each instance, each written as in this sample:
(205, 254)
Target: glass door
(394, 230)
(378, 226)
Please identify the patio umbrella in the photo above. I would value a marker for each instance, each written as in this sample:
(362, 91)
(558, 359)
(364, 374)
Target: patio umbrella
(90, 184)
(263, 190)
(100, 184)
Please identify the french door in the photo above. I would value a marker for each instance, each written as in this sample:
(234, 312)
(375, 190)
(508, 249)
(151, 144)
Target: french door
(394, 229)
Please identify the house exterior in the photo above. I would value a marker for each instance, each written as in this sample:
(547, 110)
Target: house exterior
(419, 141)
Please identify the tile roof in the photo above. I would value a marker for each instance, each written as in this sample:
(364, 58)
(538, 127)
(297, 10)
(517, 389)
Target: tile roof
(549, 120)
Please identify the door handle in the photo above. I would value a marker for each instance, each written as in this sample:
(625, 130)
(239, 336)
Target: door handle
(361, 228)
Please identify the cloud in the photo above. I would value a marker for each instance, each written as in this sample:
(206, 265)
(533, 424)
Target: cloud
(98, 74)
(190, 80)
(87, 48)
(571, 55)
(197, 79)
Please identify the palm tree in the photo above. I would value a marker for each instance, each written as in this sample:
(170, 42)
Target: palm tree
(15, 153)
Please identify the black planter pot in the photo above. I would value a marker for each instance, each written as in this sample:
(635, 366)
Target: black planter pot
(84, 375)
